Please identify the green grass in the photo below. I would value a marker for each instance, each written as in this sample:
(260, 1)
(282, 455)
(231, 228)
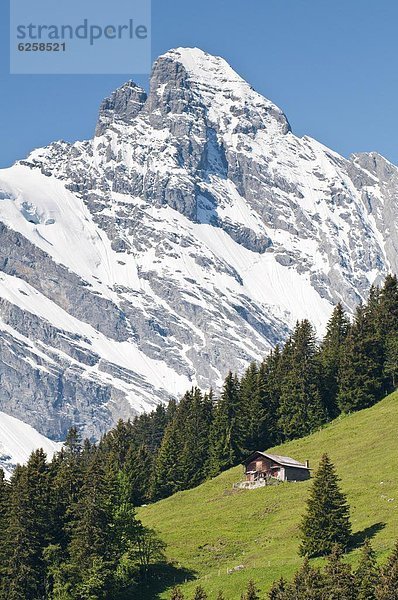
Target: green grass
(212, 528)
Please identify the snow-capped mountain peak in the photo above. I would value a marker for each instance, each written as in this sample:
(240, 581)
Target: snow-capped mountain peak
(186, 81)
(184, 239)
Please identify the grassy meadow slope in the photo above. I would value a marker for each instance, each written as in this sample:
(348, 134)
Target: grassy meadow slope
(213, 528)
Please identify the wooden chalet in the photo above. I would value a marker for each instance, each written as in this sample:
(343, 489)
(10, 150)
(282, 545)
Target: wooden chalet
(262, 466)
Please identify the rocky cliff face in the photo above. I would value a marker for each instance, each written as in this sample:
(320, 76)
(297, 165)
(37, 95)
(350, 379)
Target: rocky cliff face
(183, 240)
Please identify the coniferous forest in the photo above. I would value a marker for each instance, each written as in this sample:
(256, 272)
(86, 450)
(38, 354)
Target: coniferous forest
(68, 529)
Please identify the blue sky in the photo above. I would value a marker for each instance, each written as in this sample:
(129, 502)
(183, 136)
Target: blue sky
(331, 65)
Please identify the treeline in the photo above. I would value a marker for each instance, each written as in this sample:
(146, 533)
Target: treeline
(336, 581)
(294, 391)
(68, 529)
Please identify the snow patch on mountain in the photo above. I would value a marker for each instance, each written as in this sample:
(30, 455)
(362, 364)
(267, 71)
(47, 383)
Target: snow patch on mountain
(18, 440)
(58, 222)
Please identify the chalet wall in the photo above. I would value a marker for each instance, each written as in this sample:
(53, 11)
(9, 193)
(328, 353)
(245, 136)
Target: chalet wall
(292, 474)
(259, 464)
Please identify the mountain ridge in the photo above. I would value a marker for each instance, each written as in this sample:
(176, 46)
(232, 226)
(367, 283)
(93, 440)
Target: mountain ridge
(198, 224)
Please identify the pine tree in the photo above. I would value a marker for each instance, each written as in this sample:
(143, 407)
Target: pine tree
(117, 443)
(281, 590)
(272, 376)
(339, 581)
(268, 398)
(57, 585)
(367, 574)
(391, 362)
(195, 425)
(226, 437)
(258, 408)
(361, 378)
(159, 420)
(5, 542)
(251, 592)
(200, 594)
(139, 468)
(300, 410)
(308, 583)
(184, 453)
(29, 529)
(168, 476)
(4, 500)
(66, 474)
(388, 581)
(73, 444)
(125, 526)
(330, 357)
(91, 541)
(252, 413)
(387, 316)
(327, 521)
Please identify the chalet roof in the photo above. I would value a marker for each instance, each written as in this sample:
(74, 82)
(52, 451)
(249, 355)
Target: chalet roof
(284, 461)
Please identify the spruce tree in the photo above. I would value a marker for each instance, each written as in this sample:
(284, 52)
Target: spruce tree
(73, 444)
(387, 317)
(29, 529)
(139, 468)
(339, 581)
(58, 585)
(252, 413)
(117, 443)
(91, 534)
(200, 593)
(196, 425)
(330, 357)
(308, 583)
(158, 423)
(226, 436)
(367, 574)
(124, 525)
(251, 592)
(259, 405)
(391, 361)
(168, 476)
(268, 393)
(300, 410)
(387, 588)
(5, 542)
(184, 453)
(281, 590)
(66, 473)
(327, 521)
(361, 377)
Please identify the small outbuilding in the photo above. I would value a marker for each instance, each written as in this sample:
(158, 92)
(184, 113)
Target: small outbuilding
(263, 466)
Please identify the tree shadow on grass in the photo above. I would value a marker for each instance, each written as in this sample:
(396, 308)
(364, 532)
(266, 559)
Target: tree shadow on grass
(359, 538)
(162, 577)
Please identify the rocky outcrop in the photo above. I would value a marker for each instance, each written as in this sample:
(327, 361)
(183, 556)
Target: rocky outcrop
(121, 107)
